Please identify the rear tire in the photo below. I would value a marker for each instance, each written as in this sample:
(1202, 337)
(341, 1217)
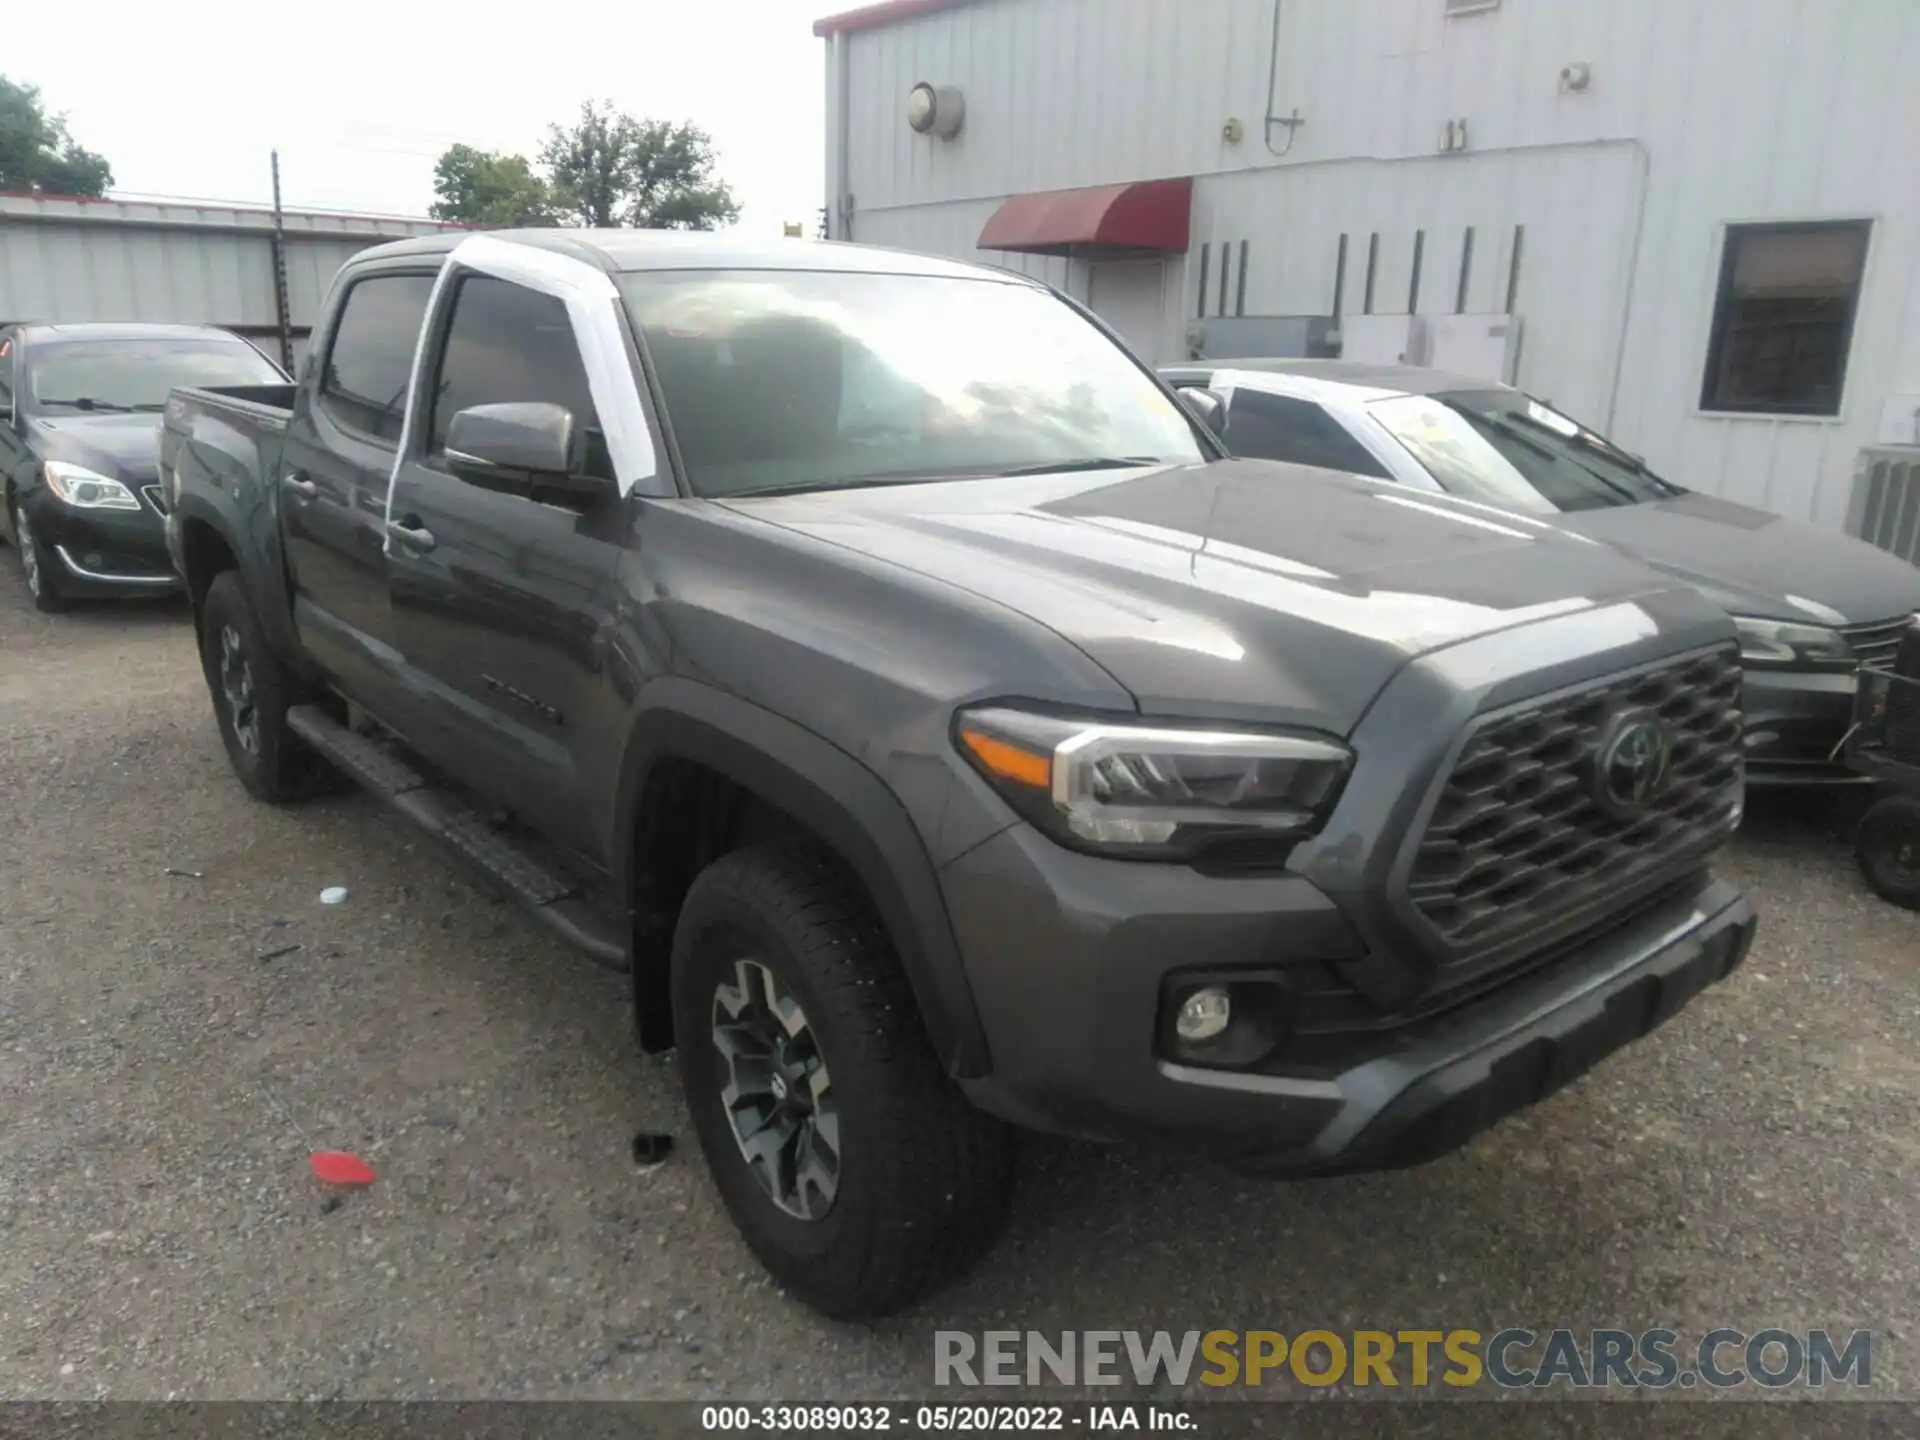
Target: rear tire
(251, 692)
(1888, 849)
(908, 1183)
(39, 566)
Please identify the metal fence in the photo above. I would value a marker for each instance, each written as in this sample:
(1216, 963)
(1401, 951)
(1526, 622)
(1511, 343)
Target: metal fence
(1885, 509)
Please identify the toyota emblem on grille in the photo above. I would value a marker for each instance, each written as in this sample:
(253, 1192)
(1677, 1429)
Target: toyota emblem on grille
(1634, 764)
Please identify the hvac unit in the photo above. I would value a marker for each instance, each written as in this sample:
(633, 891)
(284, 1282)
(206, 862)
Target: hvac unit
(1248, 337)
(1483, 346)
(1384, 339)
(1885, 507)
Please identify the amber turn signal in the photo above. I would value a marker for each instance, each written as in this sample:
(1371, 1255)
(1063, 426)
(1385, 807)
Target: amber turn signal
(1009, 762)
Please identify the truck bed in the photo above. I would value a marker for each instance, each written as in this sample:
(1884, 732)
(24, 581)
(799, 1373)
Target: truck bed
(269, 406)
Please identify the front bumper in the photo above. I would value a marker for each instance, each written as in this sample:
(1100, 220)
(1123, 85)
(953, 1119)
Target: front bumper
(1796, 722)
(105, 552)
(1069, 956)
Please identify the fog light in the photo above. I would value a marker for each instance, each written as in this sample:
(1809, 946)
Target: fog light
(1203, 1014)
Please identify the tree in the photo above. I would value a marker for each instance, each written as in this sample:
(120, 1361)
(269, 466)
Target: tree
(611, 169)
(490, 190)
(36, 153)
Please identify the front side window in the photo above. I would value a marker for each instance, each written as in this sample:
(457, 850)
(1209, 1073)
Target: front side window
(1503, 448)
(802, 380)
(1783, 319)
(6, 374)
(506, 343)
(1278, 427)
(370, 359)
(132, 376)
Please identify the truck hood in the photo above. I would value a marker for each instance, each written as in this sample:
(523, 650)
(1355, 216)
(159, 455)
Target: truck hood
(121, 447)
(1240, 588)
(1755, 563)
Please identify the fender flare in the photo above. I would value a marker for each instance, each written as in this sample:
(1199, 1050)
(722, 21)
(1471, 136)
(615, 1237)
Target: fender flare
(255, 568)
(839, 799)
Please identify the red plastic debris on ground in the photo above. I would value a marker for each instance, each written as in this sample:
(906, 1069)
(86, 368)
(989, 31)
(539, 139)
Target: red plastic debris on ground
(337, 1167)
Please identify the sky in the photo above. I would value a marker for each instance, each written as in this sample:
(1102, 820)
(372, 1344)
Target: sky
(361, 98)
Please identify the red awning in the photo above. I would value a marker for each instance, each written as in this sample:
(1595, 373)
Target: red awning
(1148, 217)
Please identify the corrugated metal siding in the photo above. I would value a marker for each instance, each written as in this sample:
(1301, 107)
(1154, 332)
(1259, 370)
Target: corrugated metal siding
(133, 260)
(1886, 500)
(1704, 111)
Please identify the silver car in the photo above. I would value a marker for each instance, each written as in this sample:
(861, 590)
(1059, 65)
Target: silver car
(1811, 606)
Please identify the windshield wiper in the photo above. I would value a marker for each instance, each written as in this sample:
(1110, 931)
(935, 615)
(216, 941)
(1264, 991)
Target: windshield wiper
(87, 402)
(858, 482)
(1069, 467)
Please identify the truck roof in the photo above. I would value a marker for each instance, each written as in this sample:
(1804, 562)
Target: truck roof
(627, 250)
(1361, 374)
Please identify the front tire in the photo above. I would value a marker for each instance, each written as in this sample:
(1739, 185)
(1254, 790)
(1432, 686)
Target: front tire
(852, 1165)
(1888, 849)
(252, 691)
(38, 564)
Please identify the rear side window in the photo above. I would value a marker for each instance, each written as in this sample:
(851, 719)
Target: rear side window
(1278, 427)
(507, 343)
(6, 374)
(370, 360)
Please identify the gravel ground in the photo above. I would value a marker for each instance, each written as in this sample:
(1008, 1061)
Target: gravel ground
(164, 1074)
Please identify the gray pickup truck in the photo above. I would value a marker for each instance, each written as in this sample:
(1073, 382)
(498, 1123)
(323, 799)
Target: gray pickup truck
(892, 674)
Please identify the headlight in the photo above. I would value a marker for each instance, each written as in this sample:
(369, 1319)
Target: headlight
(85, 489)
(1765, 643)
(1149, 792)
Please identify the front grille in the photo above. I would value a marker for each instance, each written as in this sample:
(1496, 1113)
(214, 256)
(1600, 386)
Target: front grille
(156, 497)
(1519, 841)
(1877, 644)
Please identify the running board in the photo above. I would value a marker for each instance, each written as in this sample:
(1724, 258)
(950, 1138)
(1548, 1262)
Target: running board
(551, 899)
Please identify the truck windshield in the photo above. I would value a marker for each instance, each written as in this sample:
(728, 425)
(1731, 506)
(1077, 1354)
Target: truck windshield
(1503, 448)
(781, 380)
(78, 376)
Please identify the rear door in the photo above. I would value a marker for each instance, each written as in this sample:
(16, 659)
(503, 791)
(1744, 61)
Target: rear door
(504, 602)
(334, 472)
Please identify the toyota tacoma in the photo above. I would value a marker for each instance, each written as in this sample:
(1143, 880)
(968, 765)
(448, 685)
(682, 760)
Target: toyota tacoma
(869, 655)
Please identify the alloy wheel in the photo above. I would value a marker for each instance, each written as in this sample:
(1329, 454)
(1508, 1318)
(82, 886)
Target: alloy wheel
(778, 1095)
(236, 685)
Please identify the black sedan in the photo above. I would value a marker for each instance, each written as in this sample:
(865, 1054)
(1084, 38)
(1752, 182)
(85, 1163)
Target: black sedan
(80, 448)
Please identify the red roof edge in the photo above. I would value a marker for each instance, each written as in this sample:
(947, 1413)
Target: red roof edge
(885, 13)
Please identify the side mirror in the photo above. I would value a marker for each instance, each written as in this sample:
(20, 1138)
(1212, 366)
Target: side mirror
(522, 448)
(1209, 407)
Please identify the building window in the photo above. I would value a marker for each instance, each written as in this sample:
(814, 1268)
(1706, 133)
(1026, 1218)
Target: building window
(1783, 321)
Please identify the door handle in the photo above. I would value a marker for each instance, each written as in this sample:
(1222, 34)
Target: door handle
(300, 485)
(414, 536)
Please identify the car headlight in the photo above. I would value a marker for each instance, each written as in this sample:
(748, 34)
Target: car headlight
(1152, 792)
(86, 489)
(1765, 643)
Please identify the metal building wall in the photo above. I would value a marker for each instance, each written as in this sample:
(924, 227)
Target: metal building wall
(1699, 113)
(77, 260)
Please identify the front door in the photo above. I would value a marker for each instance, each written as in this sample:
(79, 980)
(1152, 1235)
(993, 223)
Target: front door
(333, 477)
(1130, 295)
(504, 602)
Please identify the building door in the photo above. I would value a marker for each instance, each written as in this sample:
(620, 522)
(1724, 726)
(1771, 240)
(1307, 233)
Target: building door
(1130, 296)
